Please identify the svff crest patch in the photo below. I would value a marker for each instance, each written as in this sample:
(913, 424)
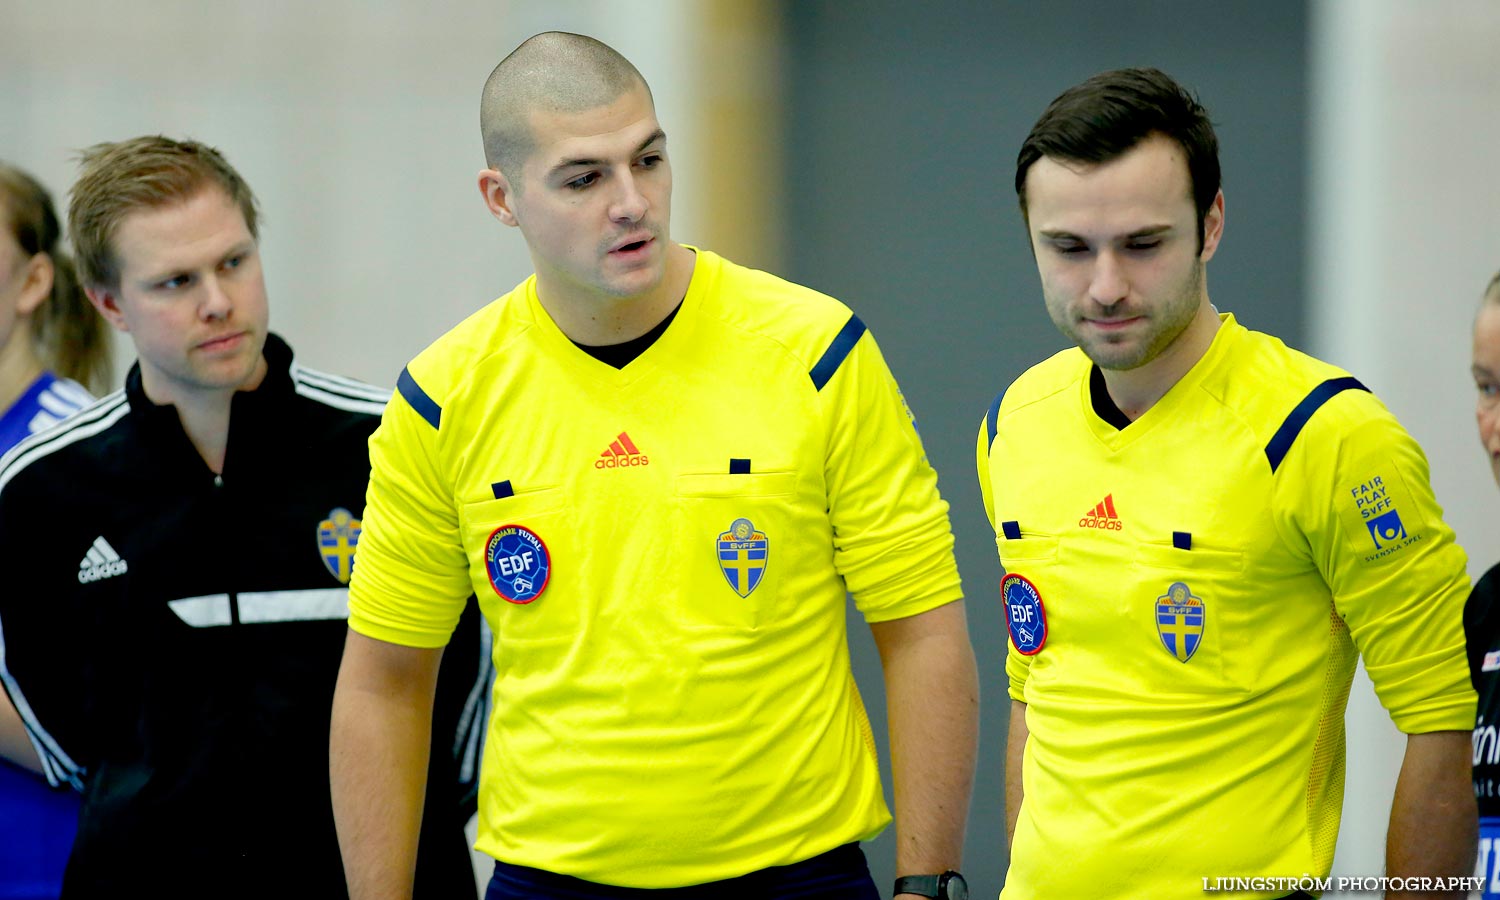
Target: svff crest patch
(743, 555)
(518, 563)
(1025, 617)
(1181, 617)
(338, 536)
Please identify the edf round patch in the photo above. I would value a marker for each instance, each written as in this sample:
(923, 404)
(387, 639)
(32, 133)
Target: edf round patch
(1025, 617)
(518, 563)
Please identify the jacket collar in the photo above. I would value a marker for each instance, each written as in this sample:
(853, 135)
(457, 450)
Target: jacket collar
(248, 415)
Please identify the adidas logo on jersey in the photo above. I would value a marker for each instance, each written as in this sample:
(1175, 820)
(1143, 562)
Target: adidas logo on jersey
(1102, 516)
(100, 562)
(621, 452)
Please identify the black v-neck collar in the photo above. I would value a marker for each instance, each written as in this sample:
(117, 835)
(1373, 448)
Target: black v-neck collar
(1103, 403)
(621, 355)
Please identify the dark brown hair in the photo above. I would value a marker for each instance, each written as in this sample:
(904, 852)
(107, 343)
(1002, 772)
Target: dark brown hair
(1106, 116)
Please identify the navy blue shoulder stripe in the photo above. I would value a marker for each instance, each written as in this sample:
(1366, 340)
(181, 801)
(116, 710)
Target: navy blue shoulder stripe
(992, 422)
(1281, 441)
(418, 399)
(833, 357)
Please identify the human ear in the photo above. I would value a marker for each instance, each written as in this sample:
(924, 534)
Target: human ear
(107, 301)
(1213, 227)
(498, 195)
(38, 284)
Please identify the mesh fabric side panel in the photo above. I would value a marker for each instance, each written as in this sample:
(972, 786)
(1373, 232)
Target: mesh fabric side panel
(1325, 778)
(864, 720)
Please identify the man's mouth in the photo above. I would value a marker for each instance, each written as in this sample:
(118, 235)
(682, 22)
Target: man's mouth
(221, 342)
(1112, 323)
(632, 246)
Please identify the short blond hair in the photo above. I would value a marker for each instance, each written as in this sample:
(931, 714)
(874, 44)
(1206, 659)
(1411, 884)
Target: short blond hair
(146, 172)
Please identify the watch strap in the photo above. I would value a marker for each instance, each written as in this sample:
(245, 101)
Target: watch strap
(921, 885)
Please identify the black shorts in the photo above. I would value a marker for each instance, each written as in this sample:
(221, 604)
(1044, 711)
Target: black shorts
(839, 874)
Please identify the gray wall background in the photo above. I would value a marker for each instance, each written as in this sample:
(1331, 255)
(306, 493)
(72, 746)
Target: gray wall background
(901, 131)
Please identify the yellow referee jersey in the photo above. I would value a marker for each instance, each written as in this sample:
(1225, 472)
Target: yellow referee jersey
(1186, 598)
(663, 553)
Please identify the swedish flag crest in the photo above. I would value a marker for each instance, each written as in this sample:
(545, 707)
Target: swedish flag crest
(743, 552)
(337, 537)
(1180, 618)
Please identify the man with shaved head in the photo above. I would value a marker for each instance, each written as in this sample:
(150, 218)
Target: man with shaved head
(662, 473)
(552, 71)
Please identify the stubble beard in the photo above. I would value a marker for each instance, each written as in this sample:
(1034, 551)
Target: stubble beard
(619, 288)
(1163, 327)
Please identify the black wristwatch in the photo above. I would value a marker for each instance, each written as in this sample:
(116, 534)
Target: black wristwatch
(948, 886)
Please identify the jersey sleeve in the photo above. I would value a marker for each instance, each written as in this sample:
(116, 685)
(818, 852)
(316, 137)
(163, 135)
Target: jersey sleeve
(1017, 666)
(1359, 499)
(48, 663)
(410, 576)
(892, 541)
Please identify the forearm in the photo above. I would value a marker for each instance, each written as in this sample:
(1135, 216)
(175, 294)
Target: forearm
(1015, 755)
(1434, 822)
(378, 748)
(15, 743)
(932, 699)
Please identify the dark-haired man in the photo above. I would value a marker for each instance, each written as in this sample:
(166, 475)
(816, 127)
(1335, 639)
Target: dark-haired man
(1202, 530)
(172, 623)
(674, 704)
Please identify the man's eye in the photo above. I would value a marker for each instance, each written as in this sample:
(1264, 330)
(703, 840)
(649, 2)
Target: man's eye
(583, 181)
(234, 262)
(651, 160)
(1142, 246)
(173, 283)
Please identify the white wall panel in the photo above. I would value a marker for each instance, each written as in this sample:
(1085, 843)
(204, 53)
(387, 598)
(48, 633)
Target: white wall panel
(1405, 233)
